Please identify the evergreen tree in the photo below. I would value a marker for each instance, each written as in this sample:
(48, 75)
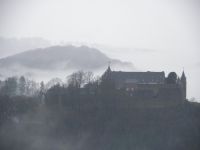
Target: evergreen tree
(22, 85)
(172, 78)
(10, 86)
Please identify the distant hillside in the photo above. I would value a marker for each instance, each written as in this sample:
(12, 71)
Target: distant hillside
(59, 58)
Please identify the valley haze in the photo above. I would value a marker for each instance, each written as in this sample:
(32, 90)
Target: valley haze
(169, 27)
(99, 74)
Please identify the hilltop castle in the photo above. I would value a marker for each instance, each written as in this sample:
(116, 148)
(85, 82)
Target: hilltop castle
(149, 84)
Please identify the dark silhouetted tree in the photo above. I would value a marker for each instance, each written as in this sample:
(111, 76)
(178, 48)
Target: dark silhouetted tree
(53, 82)
(10, 86)
(31, 87)
(54, 96)
(76, 80)
(172, 78)
(22, 85)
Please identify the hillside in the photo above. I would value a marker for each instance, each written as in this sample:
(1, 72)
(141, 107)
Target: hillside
(170, 128)
(58, 58)
(96, 117)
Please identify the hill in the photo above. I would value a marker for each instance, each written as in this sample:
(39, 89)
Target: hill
(58, 58)
(167, 128)
(61, 57)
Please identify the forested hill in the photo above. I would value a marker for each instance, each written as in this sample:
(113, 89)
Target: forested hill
(36, 128)
(92, 116)
(61, 58)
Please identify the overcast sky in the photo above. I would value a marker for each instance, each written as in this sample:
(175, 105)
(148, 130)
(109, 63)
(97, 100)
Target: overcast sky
(168, 30)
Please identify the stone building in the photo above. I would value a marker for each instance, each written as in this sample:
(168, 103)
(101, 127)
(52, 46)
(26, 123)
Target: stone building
(148, 82)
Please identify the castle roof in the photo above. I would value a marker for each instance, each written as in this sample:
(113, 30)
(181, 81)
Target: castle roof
(138, 77)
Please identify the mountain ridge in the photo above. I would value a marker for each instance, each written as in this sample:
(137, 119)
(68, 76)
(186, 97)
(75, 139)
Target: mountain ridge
(54, 59)
(60, 57)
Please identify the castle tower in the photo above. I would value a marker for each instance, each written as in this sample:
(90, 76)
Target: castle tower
(107, 73)
(107, 83)
(184, 85)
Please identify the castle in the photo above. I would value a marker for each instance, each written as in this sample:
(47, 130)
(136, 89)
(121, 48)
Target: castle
(149, 84)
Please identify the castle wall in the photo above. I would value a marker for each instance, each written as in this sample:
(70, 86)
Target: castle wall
(142, 95)
(153, 95)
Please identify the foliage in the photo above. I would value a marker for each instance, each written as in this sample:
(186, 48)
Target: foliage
(172, 78)
(89, 113)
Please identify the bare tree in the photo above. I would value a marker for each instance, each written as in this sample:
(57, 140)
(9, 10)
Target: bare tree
(76, 79)
(89, 77)
(31, 87)
(53, 82)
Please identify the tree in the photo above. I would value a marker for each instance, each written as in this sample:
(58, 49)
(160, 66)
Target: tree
(10, 86)
(89, 77)
(53, 96)
(53, 82)
(22, 85)
(31, 87)
(42, 88)
(172, 78)
(76, 80)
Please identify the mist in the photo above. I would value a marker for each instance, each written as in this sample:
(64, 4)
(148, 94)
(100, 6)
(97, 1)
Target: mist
(169, 28)
(99, 74)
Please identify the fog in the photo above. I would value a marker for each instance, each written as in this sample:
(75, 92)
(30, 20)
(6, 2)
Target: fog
(154, 35)
(10, 46)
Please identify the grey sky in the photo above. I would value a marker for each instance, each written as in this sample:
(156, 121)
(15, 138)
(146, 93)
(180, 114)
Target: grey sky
(169, 27)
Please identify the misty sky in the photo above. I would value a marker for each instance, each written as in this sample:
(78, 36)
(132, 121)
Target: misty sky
(153, 34)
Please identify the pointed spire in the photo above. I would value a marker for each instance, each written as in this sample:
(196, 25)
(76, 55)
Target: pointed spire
(107, 73)
(183, 77)
(184, 84)
(109, 69)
